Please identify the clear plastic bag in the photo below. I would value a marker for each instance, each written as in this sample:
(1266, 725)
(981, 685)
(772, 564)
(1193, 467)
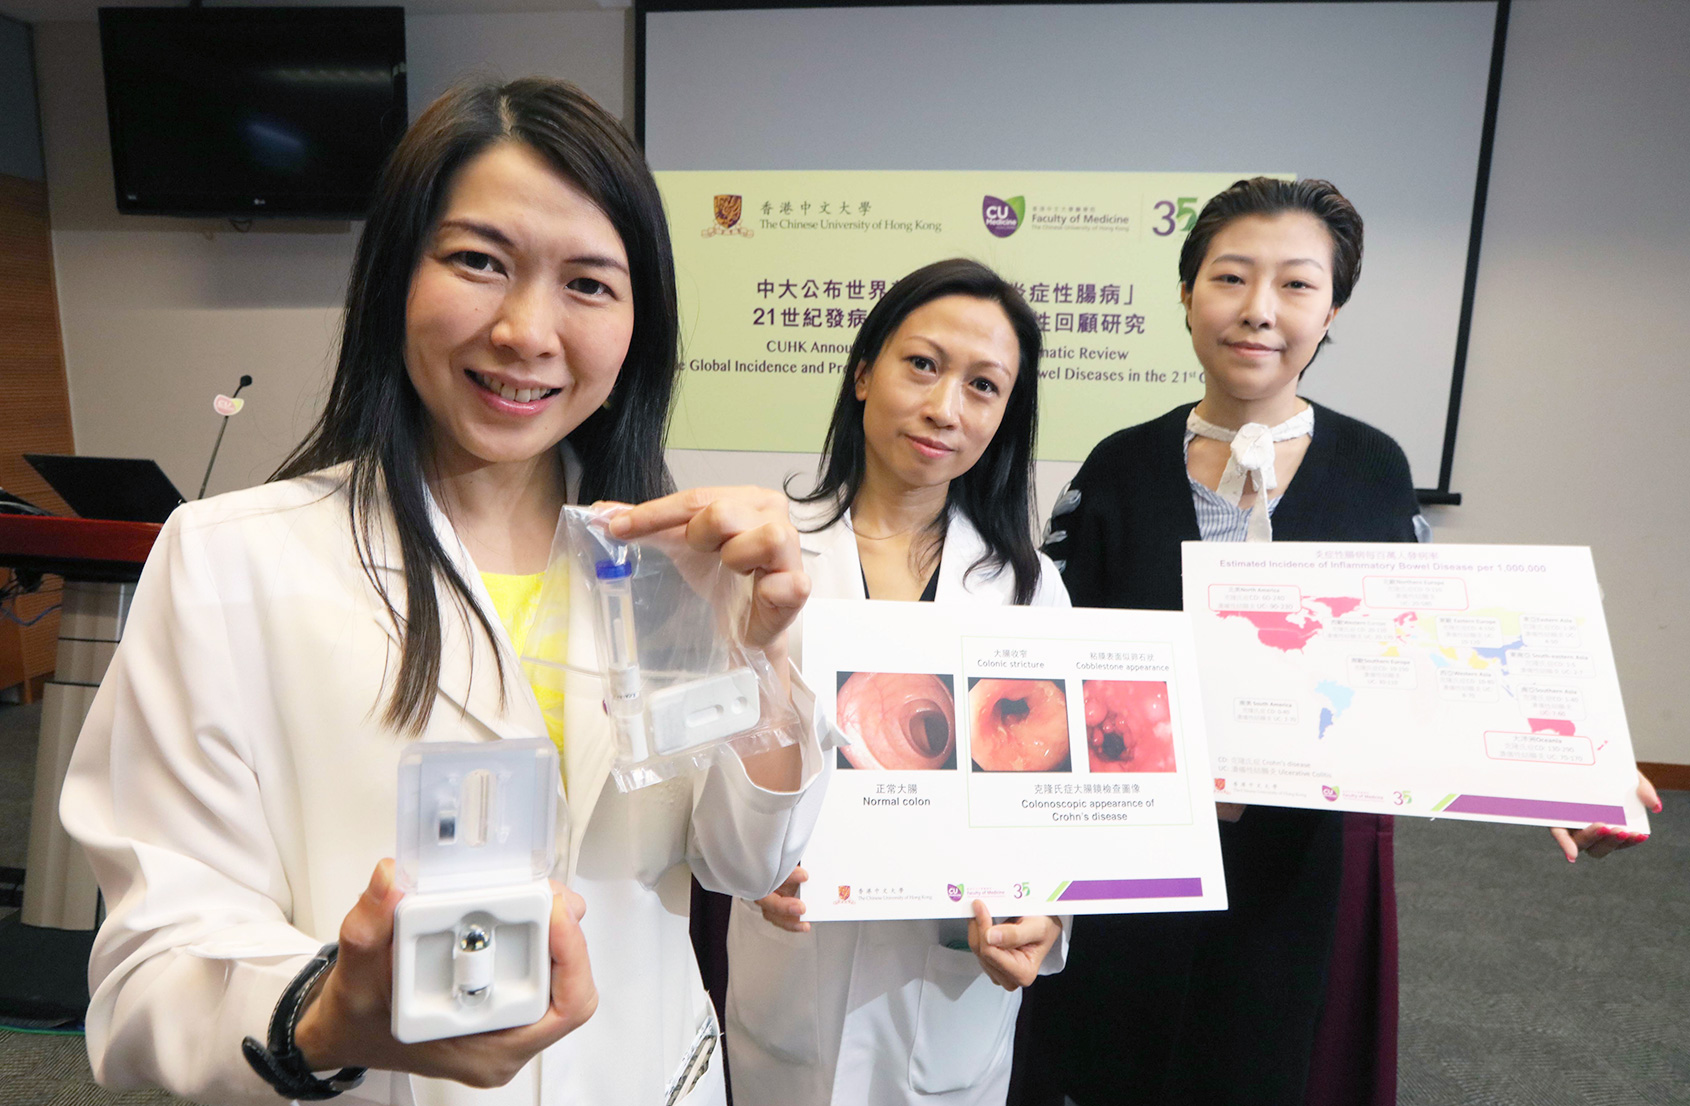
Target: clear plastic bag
(680, 684)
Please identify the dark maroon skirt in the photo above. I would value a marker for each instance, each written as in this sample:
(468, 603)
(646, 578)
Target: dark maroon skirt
(1288, 998)
(1355, 1046)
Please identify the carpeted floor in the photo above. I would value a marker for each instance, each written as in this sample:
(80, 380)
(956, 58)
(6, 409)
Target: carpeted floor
(1526, 981)
(53, 1071)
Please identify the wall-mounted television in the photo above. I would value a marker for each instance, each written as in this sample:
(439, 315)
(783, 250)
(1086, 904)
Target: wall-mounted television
(245, 112)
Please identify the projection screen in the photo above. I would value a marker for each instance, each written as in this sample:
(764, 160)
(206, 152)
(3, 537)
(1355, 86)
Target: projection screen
(1394, 102)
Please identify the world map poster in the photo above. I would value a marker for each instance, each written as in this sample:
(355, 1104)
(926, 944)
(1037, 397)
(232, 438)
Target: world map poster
(1458, 681)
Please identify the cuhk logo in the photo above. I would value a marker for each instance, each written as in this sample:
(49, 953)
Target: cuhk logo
(1220, 783)
(1329, 793)
(727, 211)
(954, 890)
(844, 892)
(1003, 216)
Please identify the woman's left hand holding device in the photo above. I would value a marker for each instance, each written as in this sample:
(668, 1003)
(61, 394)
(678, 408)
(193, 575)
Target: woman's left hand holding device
(1012, 950)
(751, 531)
(347, 1023)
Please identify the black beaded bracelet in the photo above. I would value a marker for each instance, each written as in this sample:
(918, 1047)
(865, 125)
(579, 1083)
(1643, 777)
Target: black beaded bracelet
(281, 1064)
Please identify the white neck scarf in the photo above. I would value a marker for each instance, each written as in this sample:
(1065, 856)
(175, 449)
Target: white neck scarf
(1252, 456)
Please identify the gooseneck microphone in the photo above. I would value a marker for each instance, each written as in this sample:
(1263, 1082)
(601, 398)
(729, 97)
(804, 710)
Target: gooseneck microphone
(228, 407)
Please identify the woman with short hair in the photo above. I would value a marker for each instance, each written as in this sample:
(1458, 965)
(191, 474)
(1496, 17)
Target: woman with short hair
(1290, 995)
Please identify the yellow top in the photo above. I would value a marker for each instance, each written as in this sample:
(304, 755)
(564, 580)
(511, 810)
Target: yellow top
(516, 599)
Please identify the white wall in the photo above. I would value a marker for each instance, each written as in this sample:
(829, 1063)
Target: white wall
(159, 315)
(1576, 381)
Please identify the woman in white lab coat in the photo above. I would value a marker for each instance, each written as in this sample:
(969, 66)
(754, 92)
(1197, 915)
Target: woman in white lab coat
(925, 493)
(509, 345)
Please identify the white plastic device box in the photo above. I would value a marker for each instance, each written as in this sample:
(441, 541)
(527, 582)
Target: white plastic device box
(477, 839)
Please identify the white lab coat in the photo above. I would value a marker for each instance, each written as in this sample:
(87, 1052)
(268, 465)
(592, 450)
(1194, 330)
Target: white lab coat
(874, 1012)
(234, 786)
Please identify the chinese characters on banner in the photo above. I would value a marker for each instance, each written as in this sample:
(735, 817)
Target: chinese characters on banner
(777, 270)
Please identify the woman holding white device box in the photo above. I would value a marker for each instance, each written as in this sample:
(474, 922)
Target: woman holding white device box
(509, 346)
(924, 494)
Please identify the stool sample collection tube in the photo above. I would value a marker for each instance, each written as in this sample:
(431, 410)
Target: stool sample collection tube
(616, 620)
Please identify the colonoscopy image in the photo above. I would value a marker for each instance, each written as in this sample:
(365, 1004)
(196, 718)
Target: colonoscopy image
(1127, 726)
(897, 721)
(1018, 725)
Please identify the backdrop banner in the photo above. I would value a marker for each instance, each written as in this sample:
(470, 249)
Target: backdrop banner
(777, 270)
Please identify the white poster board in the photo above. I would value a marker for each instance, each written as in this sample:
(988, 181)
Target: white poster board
(1042, 760)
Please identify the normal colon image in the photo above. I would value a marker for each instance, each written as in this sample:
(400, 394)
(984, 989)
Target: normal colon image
(1018, 725)
(1128, 727)
(897, 721)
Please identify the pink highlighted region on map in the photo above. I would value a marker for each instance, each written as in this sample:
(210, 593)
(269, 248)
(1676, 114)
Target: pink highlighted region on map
(1290, 631)
(1339, 605)
(1287, 632)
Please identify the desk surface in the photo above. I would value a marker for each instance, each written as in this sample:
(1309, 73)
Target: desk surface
(76, 548)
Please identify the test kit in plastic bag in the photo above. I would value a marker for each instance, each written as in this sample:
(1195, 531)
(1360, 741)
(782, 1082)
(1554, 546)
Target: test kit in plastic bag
(477, 840)
(680, 683)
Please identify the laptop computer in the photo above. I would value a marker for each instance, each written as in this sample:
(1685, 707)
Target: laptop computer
(124, 489)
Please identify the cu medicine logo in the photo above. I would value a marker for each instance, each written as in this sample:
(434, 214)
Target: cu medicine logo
(1003, 217)
(727, 210)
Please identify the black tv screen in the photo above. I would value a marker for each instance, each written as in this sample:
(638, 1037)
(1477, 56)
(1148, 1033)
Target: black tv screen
(252, 111)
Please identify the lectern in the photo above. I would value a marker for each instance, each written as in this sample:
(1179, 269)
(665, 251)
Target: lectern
(44, 949)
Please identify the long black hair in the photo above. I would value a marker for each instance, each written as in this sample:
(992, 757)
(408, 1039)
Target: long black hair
(996, 495)
(375, 422)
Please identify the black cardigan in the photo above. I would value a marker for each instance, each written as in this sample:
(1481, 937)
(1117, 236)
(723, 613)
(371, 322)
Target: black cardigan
(1120, 544)
(1223, 1008)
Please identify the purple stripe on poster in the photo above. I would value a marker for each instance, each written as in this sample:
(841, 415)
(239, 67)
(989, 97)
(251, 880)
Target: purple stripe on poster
(1570, 814)
(1084, 889)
